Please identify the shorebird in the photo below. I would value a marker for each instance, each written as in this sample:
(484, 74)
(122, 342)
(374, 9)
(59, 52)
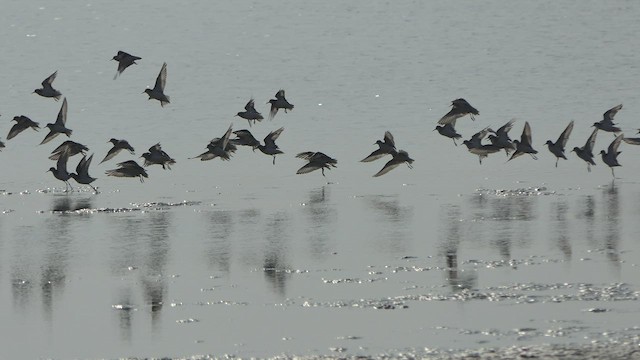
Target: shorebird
(69, 147)
(607, 124)
(22, 123)
(270, 147)
(250, 114)
(128, 169)
(156, 156)
(630, 141)
(245, 138)
(59, 126)
(279, 103)
(610, 157)
(81, 176)
(524, 145)
(448, 130)
(388, 146)
(218, 147)
(459, 108)
(118, 145)
(60, 171)
(557, 148)
(47, 90)
(586, 152)
(158, 90)
(475, 146)
(316, 160)
(124, 61)
(398, 158)
(501, 137)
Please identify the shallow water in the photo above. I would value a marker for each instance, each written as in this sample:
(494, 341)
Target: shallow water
(246, 258)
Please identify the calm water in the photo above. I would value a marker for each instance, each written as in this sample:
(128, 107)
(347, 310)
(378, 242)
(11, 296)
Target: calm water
(246, 258)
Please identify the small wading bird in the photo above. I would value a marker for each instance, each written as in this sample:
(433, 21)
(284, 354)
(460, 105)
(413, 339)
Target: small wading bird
(69, 147)
(22, 124)
(610, 157)
(118, 145)
(398, 158)
(156, 156)
(59, 126)
(607, 124)
(448, 130)
(459, 108)
(47, 90)
(81, 176)
(158, 90)
(586, 152)
(524, 145)
(279, 103)
(557, 148)
(128, 169)
(475, 146)
(60, 171)
(386, 147)
(124, 61)
(316, 160)
(218, 147)
(501, 137)
(270, 147)
(250, 114)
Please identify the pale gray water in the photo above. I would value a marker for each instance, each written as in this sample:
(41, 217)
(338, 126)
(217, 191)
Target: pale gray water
(248, 259)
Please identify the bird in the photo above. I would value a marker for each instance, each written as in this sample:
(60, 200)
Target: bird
(218, 147)
(158, 90)
(279, 103)
(630, 141)
(47, 90)
(1, 145)
(459, 108)
(270, 147)
(69, 147)
(157, 156)
(524, 145)
(118, 145)
(386, 147)
(245, 138)
(60, 171)
(607, 124)
(250, 114)
(124, 61)
(59, 126)
(476, 139)
(128, 168)
(81, 176)
(448, 130)
(22, 123)
(501, 137)
(610, 157)
(586, 152)
(398, 158)
(557, 148)
(316, 160)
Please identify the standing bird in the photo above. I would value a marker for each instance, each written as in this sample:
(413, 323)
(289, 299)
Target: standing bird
(81, 176)
(59, 126)
(557, 148)
(459, 108)
(118, 145)
(270, 147)
(250, 114)
(158, 90)
(70, 148)
(128, 169)
(279, 103)
(157, 156)
(501, 137)
(524, 145)
(60, 171)
(610, 157)
(448, 130)
(47, 90)
(607, 124)
(316, 160)
(124, 61)
(218, 147)
(398, 158)
(388, 146)
(22, 123)
(586, 152)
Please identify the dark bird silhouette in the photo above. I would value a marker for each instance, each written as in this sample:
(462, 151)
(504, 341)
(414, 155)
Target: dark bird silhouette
(81, 176)
(156, 156)
(124, 61)
(47, 89)
(398, 158)
(69, 147)
(59, 126)
(245, 138)
(524, 145)
(128, 169)
(501, 137)
(315, 161)
(158, 89)
(610, 157)
(279, 103)
(250, 114)
(459, 108)
(448, 130)
(22, 123)
(557, 148)
(586, 152)
(60, 171)
(607, 124)
(386, 147)
(270, 147)
(118, 145)
(218, 147)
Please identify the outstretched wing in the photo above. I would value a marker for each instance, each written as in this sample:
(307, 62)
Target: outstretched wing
(562, 139)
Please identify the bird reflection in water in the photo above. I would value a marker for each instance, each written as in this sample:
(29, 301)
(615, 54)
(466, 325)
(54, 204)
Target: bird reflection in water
(612, 226)
(275, 267)
(322, 215)
(450, 238)
(218, 246)
(560, 227)
(394, 219)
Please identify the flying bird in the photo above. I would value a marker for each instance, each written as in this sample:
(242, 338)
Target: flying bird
(459, 108)
(315, 161)
(586, 152)
(81, 176)
(124, 61)
(398, 158)
(270, 147)
(250, 114)
(610, 157)
(59, 126)
(47, 90)
(118, 145)
(524, 145)
(128, 169)
(279, 103)
(607, 124)
(22, 123)
(158, 90)
(387, 146)
(557, 148)
(157, 156)
(70, 148)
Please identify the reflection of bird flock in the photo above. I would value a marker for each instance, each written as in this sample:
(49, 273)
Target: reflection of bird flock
(499, 140)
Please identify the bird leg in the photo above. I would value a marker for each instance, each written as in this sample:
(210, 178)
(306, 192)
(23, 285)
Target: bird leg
(557, 161)
(274, 159)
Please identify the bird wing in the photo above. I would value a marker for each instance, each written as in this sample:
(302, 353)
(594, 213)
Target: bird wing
(250, 106)
(49, 137)
(390, 165)
(111, 153)
(307, 155)
(613, 147)
(62, 114)
(562, 139)
(609, 114)
(47, 82)
(161, 80)
(280, 94)
(225, 138)
(377, 154)
(273, 136)
(526, 134)
(309, 167)
(504, 129)
(591, 141)
(388, 139)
